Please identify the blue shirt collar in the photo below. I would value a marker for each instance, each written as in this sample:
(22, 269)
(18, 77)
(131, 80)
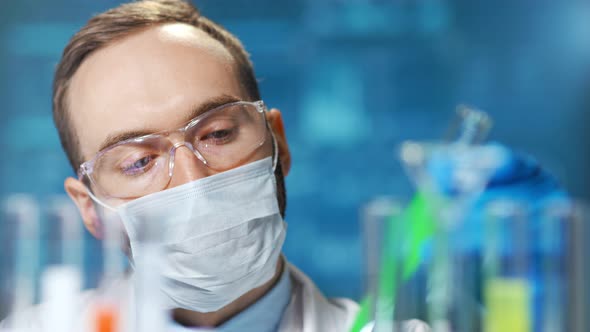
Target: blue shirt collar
(263, 316)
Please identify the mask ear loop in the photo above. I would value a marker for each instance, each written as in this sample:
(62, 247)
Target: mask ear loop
(113, 210)
(275, 148)
(99, 202)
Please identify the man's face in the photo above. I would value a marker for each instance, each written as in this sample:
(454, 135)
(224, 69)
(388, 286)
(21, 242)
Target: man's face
(154, 80)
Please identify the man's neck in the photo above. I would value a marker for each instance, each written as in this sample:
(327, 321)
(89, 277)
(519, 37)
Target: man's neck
(190, 318)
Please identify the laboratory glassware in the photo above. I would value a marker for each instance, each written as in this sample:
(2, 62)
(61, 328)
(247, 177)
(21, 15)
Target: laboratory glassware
(507, 267)
(381, 222)
(22, 212)
(449, 178)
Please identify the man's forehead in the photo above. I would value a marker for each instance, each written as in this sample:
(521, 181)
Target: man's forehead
(128, 84)
(163, 37)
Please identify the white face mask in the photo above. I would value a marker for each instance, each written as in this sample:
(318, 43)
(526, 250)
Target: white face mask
(222, 235)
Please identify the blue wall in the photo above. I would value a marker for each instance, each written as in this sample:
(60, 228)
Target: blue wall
(353, 79)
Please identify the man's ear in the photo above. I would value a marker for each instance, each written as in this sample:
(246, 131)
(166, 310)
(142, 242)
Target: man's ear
(275, 119)
(79, 194)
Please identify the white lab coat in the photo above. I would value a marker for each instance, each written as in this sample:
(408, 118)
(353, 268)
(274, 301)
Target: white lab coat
(308, 311)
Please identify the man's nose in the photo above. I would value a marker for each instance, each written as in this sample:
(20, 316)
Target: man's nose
(187, 167)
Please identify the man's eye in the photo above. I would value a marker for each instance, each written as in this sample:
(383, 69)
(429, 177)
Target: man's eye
(219, 136)
(139, 166)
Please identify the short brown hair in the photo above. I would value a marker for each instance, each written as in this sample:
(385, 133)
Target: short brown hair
(118, 23)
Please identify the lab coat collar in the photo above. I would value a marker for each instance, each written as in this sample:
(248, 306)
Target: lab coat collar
(310, 311)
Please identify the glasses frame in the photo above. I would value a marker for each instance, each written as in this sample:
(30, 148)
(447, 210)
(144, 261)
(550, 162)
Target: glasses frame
(87, 167)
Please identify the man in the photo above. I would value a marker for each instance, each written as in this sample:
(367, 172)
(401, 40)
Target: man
(159, 113)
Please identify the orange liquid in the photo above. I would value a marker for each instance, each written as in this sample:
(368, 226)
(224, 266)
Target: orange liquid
(106, 319)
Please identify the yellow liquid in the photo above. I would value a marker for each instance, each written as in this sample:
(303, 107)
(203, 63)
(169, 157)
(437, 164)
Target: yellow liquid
(507, 303)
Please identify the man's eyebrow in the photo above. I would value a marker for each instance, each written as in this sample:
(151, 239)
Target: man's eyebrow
(120, 137)
(209, 105)
(196, 111)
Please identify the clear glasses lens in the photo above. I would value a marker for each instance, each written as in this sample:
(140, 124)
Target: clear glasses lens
(132, 169)
(224, 137)
(227, 137)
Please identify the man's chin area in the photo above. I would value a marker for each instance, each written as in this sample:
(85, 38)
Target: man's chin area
(189, 318)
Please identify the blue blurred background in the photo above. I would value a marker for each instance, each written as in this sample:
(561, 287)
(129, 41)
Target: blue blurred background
(353, 79)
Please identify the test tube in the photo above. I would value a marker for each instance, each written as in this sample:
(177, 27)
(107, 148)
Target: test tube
(552, 253)
(22, 211)
(506, 263)
(112, 245)
(579, 292)
(71, 237)
(62, 283)
(7, 266)
(110, 310)
(564, 268)
(151, 315)
(383, 266)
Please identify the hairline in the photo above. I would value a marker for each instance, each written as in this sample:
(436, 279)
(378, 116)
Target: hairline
(64, 104)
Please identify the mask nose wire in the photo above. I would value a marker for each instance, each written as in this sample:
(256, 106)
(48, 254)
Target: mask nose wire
(173, 154)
